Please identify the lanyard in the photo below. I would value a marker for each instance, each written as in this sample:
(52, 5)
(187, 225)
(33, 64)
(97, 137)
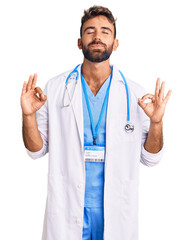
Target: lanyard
(95, 130)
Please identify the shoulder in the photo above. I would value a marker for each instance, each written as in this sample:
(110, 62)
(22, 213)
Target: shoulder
(57, 80)
(134, 88)
(57, 83)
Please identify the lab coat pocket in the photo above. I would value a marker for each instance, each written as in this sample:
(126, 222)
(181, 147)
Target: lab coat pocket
(56, 194)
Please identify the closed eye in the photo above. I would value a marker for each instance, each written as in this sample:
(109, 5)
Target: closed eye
(90, 32)
(105, 32)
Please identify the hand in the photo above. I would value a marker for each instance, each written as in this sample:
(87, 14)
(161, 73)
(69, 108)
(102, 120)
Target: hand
(156, 108)
(32, 98)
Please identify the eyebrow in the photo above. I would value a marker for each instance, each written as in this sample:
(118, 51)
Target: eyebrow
(106, 28)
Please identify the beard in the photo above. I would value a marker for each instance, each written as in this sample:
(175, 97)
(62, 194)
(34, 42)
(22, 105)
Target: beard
(97, 55)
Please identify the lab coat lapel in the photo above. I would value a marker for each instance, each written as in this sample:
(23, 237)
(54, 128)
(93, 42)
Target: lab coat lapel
(112, 109)
(77, 106)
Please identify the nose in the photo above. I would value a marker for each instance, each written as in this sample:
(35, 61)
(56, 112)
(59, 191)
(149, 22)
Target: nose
(96, 36)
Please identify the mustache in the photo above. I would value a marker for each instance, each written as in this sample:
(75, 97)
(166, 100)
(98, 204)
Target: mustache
(96, 42)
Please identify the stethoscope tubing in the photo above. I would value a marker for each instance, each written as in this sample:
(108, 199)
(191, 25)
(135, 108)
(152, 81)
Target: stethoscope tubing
(129, 127)
(127, 93)
(74, 71)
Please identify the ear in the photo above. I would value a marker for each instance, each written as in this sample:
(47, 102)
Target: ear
(116, 44)
(79, 43)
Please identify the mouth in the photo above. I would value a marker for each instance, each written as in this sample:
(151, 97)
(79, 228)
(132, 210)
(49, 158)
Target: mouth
(96, 45)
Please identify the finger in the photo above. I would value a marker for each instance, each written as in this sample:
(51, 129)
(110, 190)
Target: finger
(141, 103)
(29, 82)
(147, 96)
(157, 88)
(24, 89)
(162, 90)
(38, 90)
(42, 97)
(34, 81)
(167, 96)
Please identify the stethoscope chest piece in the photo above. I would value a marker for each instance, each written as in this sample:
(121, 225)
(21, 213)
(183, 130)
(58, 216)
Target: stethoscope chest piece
(129, 127)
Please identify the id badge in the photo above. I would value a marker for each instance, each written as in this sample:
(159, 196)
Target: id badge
(94, 154)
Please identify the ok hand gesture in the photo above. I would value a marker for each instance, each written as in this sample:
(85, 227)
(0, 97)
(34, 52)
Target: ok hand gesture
(32, 98)
(156, 108)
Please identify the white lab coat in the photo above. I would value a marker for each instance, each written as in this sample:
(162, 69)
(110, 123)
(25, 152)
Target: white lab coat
(63, 137)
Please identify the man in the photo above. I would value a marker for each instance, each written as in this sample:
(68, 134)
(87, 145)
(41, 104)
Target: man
(97, 128)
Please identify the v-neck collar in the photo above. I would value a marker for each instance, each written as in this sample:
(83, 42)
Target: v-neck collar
(100, 94)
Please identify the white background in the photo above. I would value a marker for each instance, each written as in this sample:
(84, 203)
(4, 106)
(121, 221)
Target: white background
(155, 41)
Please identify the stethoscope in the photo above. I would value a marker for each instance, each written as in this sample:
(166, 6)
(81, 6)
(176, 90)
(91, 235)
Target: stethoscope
(129, 127)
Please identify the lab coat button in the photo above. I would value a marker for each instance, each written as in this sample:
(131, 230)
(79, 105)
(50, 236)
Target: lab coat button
(78, 221)
(79, 186)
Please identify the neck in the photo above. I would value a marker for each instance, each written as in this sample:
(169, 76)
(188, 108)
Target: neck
(95, 74)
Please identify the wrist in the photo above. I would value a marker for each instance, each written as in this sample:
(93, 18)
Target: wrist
(27, 119)
(156, 124)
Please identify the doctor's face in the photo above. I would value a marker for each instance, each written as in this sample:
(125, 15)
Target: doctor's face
(97, 42)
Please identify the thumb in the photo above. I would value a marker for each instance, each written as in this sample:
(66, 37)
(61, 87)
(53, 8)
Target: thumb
(141, 103)
(43, 97)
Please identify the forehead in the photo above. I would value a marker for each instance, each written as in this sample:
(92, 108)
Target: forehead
(98, 22)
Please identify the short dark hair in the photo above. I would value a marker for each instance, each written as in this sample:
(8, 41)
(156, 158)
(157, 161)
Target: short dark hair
(97, 11)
